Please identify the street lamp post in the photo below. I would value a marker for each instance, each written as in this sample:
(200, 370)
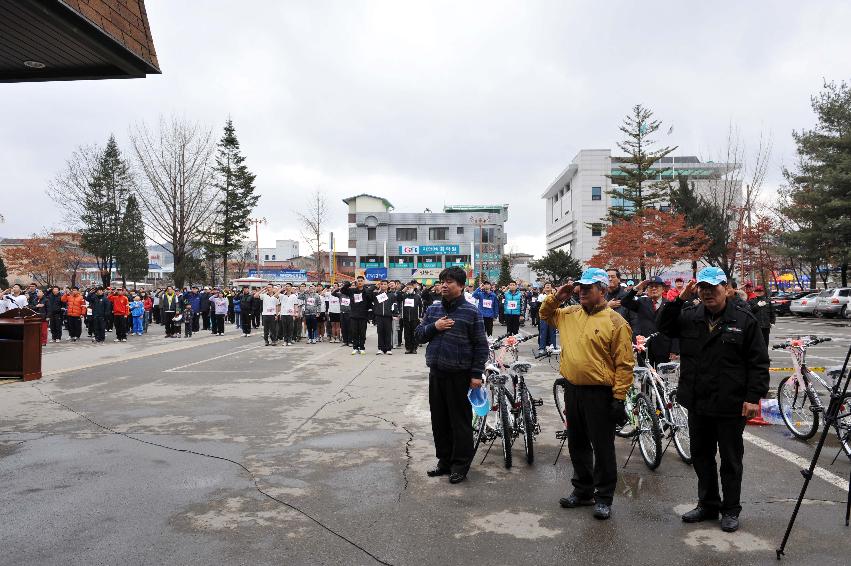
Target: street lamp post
(257, 222)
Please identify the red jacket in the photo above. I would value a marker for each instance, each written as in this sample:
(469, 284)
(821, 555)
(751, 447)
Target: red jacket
(76, 304)
(120, 305)
(149, 304)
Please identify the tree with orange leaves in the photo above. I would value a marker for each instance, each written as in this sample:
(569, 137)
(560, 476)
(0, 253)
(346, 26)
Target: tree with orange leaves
(47, 259)
(649, 242)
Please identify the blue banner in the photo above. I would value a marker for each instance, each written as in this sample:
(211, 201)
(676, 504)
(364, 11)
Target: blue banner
(280, 274)
(375, 273)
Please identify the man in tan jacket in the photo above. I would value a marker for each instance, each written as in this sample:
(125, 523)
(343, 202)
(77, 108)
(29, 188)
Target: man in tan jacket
(597, 361)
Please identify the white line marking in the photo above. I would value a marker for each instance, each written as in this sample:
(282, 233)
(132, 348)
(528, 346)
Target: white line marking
(295, 367)
(204, 361)
(802, 463)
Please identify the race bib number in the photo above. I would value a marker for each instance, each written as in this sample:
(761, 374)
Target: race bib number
(358, 297)
(534, 299)
(345, 301)
(761, 304)
(89, 312)
(381, 297)
(311, 301)
(409, 302)
(436, 302)
(512, 305)
(487, 303)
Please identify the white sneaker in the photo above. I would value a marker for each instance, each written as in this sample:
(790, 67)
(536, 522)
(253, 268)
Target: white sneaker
(378, 353)
(389, 353)
(116, 340)
(354, 352)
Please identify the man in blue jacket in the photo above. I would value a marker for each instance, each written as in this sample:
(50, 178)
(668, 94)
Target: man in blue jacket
(488, 304)
(514, 304)
(456, 355)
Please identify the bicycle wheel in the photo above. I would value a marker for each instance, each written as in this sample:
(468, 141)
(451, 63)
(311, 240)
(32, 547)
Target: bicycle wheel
(507, 430)
(796, 404)
(480, 425)
(528, 425)
(843, 425)
(629, 428)
(560, 398)
(679, 421)
(649, 433)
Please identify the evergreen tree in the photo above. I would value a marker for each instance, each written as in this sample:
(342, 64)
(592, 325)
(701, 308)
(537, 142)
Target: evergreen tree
(557, 266)
(4, 282)
(235, 186)
(820, 187)
(638, 186)
(699, 213)
(131, 255)
(103, 208)
(504, 272)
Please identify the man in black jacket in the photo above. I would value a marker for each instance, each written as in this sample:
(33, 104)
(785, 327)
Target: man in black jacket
(412, 312)
(203, 309)
(385, 308)
(101, 306)
(763, 310)
(644, 310)
(362, 298)
(53, 312)
(723, 375)
(246, 302)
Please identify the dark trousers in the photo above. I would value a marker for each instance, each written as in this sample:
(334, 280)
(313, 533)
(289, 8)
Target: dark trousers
(591, 441)
(345, 328)
(56, 325)
(196, 317)
(270, 328)
(286, 328)
(120, 326)
(167, 321)
(384, 325)
(311, 322)
(765, 334)
(410, 342)
(109, 321)
(451, 419)
(246, 324)
(218, 324)
(398, 332)
(205, 321)
(533, 313)
(255, 319)
(75, 326)
(488, 326)
(99, 324)
(724, 435)
(546, 335)
(358, 326)
(512, 323)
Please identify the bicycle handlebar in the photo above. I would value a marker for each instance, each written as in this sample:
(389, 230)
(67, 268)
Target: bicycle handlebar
(813, 340)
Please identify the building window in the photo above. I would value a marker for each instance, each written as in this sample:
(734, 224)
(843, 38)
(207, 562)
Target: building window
(438, 234)
(370, 234)
(555, 198)
(406, 234)
(665, 208)
(596, 193)
(273, 257)
(401, 261)
(596, 229)
(459, 230)
(267, 257)
(488, 236)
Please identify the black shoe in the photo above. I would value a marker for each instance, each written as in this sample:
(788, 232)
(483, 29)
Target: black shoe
(602, 511)
(729, 523)
(700, 514)
(408, 352)
(457, 477)
(437, 472)
(573, 500)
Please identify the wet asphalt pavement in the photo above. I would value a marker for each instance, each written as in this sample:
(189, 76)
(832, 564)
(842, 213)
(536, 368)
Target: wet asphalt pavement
(218, 450)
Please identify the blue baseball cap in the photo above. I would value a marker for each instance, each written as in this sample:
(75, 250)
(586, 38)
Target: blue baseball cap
(594, 275)
(712, 275)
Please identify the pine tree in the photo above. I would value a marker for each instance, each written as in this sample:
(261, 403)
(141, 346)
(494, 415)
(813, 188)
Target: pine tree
(557, 266)
(820, 192)
(504, 272)
(131, 255)
(638, 186)
(103, 208)
(4, 282)
(235, 185)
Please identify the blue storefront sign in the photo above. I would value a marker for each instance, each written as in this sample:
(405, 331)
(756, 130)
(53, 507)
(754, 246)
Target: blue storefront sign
(279, 274)
(375, 273)
(430, 250)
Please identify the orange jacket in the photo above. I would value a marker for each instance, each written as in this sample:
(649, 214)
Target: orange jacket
(76, 304)
(120, 305)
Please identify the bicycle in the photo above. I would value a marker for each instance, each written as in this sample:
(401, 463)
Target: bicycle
(800, 402)
(515, 407)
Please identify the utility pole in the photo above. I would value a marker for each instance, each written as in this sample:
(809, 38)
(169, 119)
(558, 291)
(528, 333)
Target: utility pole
(257, 222)
(479, 221)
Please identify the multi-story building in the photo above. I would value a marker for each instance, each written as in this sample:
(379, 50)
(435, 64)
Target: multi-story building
(578, 200)
(283, 250)
(417, 245)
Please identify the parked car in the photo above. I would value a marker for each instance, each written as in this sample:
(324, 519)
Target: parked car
(782, 301)
(834, 302)
(804, 306)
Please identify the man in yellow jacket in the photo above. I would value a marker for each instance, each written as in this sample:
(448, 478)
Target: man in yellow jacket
(597, 361)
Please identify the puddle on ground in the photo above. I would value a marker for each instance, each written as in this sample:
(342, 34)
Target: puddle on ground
(719, 541)
(348, 440)
(520, 525)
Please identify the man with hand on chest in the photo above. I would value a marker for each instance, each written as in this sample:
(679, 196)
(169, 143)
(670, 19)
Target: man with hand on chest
(456, 355)
(723, 375)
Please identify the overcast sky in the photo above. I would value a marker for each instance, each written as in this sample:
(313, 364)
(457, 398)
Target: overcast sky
(433, 103)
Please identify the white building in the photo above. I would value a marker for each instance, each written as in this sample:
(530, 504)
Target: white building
(283, 250)
(578, 200)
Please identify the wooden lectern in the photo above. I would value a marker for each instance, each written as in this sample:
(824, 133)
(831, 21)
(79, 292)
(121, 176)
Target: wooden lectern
(20, 344)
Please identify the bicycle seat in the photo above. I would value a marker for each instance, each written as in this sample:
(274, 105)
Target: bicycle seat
(521, 367)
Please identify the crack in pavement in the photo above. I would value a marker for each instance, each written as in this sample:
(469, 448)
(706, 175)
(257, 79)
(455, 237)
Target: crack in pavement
(253, 477)
(408, 457)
